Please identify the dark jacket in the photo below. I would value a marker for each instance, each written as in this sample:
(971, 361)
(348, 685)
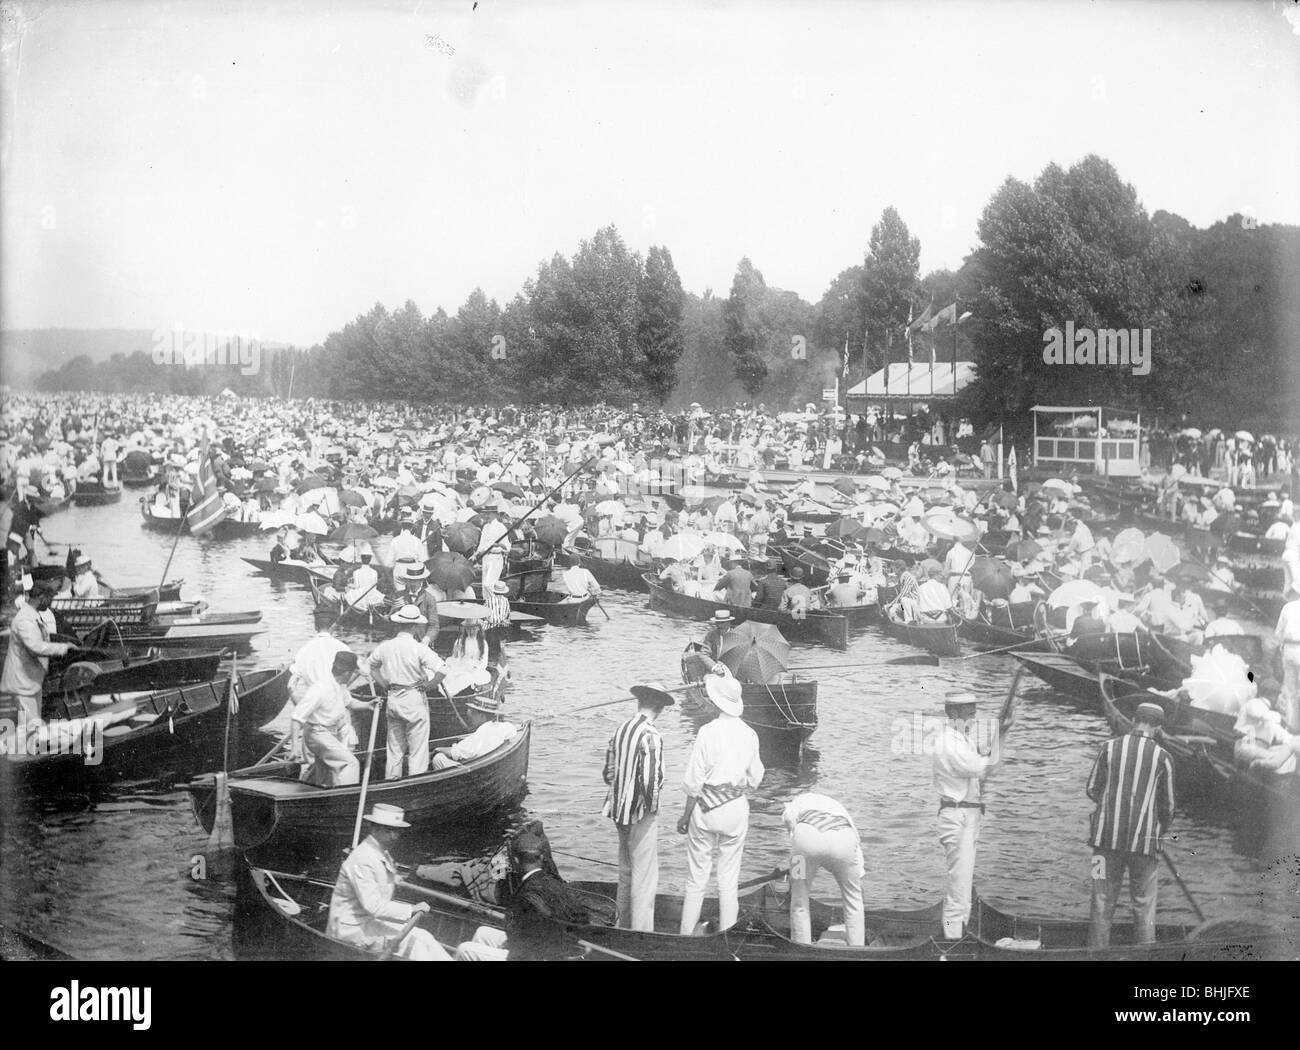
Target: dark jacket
(539, 912)
(769, 591)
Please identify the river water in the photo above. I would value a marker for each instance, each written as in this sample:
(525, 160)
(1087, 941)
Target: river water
(114, 879)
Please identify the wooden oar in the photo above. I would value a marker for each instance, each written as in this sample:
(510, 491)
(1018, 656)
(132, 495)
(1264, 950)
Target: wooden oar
(1183, 886)
(396, 942)
(347, 608)
(540, 503)
(601, 607)
(365, 778)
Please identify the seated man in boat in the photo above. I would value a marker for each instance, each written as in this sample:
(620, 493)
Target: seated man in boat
(363, 590)
(844, 593)
(282, 550)
(719, 627)
(540, 903)
(410, 577)
(932, 598)
(1088, 624)
(326, 726)
(576, 582)
(362, 909)
(488, 734)
(1190, 616)
(735, 585)
(769, 589)
(674, 575)
(1263, 742)
(84, 583)
(798, 597)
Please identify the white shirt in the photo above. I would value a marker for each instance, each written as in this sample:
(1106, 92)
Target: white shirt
(933, 597)
(810, 800)
(402, 661)
(579, 582)
(325, 704)
(491, 537)
(957, 765)
(1288, 623)
(362, 909)
(483, 741)
(407, 546)
(725, 753)
(29, 651)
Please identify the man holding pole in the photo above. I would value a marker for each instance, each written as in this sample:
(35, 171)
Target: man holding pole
(406, 668)
(493, 546)
(961, 762)
(634, 771)
(327, 733)
(1132, 783)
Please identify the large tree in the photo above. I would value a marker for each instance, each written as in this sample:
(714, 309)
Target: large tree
(659, 323)
(889, 277)
(741, 321)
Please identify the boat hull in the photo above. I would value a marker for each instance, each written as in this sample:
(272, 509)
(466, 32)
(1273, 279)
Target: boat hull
(827, 628)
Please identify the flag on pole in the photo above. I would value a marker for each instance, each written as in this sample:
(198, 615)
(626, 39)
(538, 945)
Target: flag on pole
(206, 507)
(844, 365)
(1011, 469)
(920, 323)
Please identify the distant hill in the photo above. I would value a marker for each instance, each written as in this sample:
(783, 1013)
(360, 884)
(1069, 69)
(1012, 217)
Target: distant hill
(26, 353)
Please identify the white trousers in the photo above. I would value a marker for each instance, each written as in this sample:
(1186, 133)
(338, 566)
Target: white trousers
(959, 831)
(488, 945)
(723, 829)
(408, 734)
(493, 566)
(840, 853)
(332, 763)
(1290, 694)
(638, 873)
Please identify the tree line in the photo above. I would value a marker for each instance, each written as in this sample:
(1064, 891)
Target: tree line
(608, 324)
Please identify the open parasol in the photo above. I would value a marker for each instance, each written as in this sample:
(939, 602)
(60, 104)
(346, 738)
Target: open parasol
(1161, 551)
(755, 652)
(844, 485)
(992, 576)
(311, 522)
(723, 541)
(461, 537)
(1219, 681)
(845, 528)
(352, 532)
(352, 498)
(552, 530)
(1073, 593)
(1129, 547)
(684, 546)
(947, 526)
(450, 571)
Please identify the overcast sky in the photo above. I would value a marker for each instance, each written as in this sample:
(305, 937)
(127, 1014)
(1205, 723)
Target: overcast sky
(277, 170)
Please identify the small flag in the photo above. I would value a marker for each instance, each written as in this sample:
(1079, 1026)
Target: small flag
(206, 507)
(922, 323)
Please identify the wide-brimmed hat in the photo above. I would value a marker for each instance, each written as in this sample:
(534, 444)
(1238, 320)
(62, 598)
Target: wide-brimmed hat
(722, 616)
(410, 616)
(653, 693)
(724, 693)
(82, 563)
(388, 816)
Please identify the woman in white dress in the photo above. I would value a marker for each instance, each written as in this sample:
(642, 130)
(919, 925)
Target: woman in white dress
(467, 665)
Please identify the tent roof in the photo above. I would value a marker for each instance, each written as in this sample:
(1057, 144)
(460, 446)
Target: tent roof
(917, 381)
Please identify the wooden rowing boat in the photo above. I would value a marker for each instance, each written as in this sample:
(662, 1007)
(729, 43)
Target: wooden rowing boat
(291, 571)
(829, 628)
(1000, 625)
(555, 608)
(114, 673)
(1201, 745)
(96, 494)
(279, 915)
(376, 619)
(938, 638)
(226, 529)
(614, 562)
(173, 731)
(270, 806)
(786, 708)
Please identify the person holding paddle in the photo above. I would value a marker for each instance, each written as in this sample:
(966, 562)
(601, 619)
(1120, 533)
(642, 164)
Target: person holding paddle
(362, 909)
(961, 762)
(1132, 783)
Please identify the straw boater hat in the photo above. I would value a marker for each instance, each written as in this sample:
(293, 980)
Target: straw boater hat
(722, 616)
(959, 699)
(388, 816)
(82, 563)
(409, 616)
(411, 570)
(724, 693)
(653, 693)
(500, 588)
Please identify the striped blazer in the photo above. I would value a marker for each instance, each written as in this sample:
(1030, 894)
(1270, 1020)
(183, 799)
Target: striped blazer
(634, 771)
(1132, 783)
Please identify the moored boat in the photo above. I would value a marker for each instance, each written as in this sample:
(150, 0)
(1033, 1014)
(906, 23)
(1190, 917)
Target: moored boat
(291, 571)
(939, 638)
(785, 708)
(96, 494)
(270, 805)
(555, 608)
(829, 628)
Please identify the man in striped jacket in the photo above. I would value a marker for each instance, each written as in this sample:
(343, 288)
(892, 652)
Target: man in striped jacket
(1132, 783)
(634, 771)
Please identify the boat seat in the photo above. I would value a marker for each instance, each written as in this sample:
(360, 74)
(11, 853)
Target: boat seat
(118, 730)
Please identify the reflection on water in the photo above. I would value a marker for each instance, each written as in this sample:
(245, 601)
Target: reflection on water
(112, 878)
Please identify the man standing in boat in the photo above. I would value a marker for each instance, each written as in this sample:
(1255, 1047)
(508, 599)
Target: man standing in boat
(1132, 783)
(30, 650)
(961, 762)
(634, 771)
(327, 733)
(822, 835)
(724, 766)
(406, 668)
(493, 546)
